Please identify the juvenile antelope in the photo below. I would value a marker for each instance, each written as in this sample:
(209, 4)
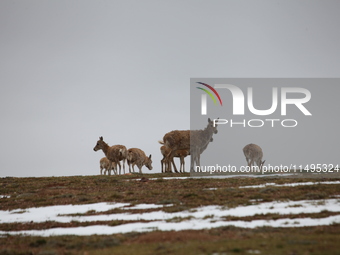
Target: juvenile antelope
(253, 154)
(137, 157)
(114, 153)
(180, 140)
(178, 154)
(107, 166)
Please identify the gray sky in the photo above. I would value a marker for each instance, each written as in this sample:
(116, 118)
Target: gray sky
(71, 71)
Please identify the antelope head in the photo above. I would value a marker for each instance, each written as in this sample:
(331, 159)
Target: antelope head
(99, 145)
(211, 126)
(262, 163)
(148, 163)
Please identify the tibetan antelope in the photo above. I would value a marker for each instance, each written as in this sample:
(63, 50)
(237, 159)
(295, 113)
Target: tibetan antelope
(114, 153)
(191, 140)
(107, 166)
(137, 157)
(253, 154)
(179, 154)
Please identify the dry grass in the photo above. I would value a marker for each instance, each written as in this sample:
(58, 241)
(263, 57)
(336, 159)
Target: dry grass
(182, 194)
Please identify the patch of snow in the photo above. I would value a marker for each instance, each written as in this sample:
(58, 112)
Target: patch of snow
(52, 213)
(145, 206)
(221, 176)
(64, 213)
(256, 200)
(195, 224)
(197, 218)
(289, 184)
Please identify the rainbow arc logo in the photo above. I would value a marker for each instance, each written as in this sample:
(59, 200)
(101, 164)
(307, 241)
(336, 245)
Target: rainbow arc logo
(209, 93)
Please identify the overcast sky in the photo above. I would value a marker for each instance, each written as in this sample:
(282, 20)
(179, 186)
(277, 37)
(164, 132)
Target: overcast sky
(71, 71)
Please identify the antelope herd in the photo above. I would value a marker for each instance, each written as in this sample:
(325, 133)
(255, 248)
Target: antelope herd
(177, 143)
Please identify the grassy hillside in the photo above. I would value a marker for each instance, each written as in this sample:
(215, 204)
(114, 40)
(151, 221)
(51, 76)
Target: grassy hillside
(179, 195)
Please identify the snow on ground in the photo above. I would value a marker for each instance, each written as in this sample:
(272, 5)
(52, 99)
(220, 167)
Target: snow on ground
(222, 176)
(144, 206)
(289, 184)
(68, 213)
(195, 224)
(198, 218)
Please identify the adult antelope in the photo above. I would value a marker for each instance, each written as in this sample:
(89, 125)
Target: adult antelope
(137, 157)
(194, 141)
(115, 153)
(253, 154)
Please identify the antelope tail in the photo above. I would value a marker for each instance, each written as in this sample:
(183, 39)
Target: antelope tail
(120, 152)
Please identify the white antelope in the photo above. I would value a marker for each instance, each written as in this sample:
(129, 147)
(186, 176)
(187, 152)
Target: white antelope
(253, 154)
